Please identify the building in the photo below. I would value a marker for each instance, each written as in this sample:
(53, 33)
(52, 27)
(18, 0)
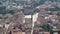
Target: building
(46, 32)
(2, 31)
(18, 17)
(28, 19)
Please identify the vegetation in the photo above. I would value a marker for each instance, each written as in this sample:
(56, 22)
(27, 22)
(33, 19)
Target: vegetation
(58, 14)
(11, 12)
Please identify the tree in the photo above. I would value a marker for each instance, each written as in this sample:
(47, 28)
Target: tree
(58, 13)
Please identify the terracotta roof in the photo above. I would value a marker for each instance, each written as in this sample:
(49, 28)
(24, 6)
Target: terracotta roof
(2, 30)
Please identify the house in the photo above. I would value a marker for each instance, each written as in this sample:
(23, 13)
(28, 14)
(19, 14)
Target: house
(1, 31)
(18, 17)
(46, 32)
(28, 19)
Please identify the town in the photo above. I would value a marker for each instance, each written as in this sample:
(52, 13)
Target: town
(29, 16)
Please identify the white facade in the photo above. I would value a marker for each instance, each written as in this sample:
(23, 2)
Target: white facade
(35, 16)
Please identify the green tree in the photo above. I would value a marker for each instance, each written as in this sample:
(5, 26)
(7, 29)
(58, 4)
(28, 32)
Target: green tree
(58, 14)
